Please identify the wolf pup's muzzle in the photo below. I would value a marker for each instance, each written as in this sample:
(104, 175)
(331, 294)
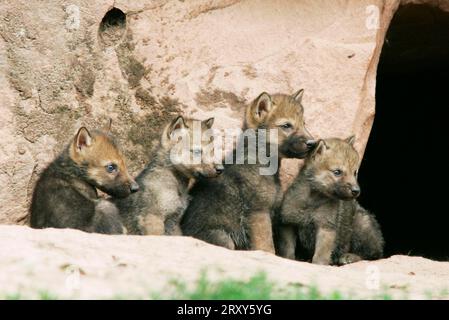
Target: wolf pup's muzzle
(298, 146)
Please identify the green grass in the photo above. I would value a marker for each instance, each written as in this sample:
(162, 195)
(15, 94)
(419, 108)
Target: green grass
(13, 296)
(257, 287)
(45, 295)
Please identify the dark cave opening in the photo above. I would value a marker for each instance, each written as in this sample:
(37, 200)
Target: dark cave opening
(403, 175)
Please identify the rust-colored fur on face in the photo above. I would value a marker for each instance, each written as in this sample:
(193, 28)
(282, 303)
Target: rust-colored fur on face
(285, 114)
(65, 195)
(98, 151)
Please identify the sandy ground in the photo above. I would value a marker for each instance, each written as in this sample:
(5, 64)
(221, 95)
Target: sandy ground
(74, 264)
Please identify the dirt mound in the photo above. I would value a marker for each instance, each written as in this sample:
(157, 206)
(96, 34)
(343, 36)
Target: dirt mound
(73, 264)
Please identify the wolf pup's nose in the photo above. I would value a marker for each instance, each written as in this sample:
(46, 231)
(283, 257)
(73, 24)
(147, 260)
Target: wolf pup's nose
(134, 187)
(355, 191)
(311, 144)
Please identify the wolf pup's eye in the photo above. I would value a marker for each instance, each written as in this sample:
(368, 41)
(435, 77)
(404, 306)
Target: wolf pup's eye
(111, 168)
(355, 173)
(286, 125)
(337, 172)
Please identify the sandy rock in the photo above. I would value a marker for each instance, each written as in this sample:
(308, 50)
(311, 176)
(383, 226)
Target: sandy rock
(136, 266)
(64, 64)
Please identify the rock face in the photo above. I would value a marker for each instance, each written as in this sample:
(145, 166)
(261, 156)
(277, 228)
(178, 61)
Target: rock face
(70, 63)
(74, 264)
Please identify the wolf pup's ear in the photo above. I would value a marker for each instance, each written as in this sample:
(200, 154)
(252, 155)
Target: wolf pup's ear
(263, 105)
(297, 96)
(208, 123)
(320, 148)
(350, 140)
(176, 124)
(83, 139)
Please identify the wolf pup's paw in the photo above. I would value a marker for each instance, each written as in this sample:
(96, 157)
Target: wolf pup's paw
(348, 258)
(322, 261)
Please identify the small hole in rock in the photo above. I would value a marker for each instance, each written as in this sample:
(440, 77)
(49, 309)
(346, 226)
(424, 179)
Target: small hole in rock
(112, 27)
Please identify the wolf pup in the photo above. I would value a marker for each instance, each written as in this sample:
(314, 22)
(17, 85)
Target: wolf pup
(320, 207)
(234, 210)
(157, 209)
(66, 196)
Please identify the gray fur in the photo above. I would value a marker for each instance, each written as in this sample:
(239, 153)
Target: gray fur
(328, 223)
(163, 197)
(235, 210)
(163, 194)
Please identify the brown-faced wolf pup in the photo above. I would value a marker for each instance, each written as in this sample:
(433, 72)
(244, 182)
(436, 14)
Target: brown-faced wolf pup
(66, 196)
(159, 205)
(321, 212)
(235, 210)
